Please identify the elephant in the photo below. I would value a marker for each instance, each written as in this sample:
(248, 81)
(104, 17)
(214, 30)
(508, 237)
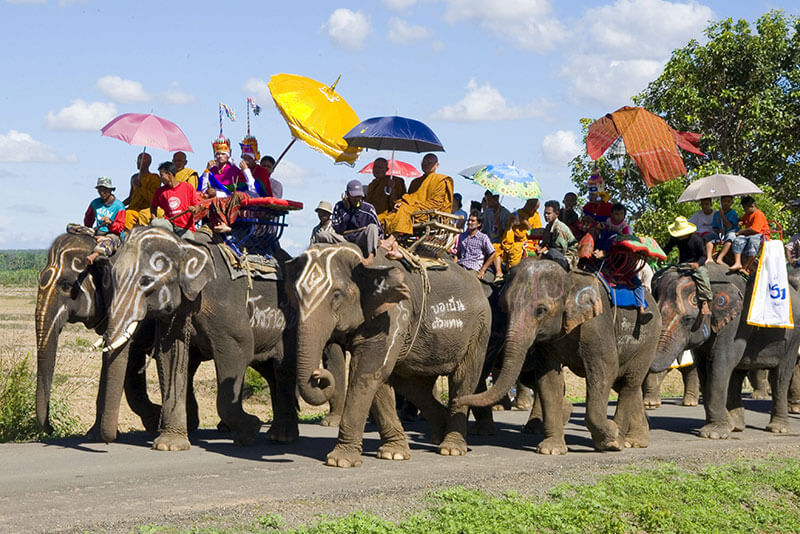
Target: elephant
(200, 313)
(557, 317)
(404, 328)
(724, 346)
(72, 291)
(691, 387)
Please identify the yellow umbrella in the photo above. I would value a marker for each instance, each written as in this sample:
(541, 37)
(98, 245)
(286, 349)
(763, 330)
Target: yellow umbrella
(316, 114)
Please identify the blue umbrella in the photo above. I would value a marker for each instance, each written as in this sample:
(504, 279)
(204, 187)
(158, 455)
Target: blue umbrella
(394, 133)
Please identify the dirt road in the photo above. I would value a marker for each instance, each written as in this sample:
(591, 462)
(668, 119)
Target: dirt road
(70, 485)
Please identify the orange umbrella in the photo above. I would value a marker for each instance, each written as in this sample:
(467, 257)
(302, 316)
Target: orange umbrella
(648, 139)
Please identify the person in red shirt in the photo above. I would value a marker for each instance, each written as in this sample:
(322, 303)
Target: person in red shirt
(753, 227)
(177, 199)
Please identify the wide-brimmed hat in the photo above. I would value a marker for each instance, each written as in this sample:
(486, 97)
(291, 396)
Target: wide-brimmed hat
(105, 181)
(325, 206)
(681, 227)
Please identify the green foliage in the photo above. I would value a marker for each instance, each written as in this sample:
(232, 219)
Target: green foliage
(271, 521)
(254, 384)
(22, 278)
(311, 418)
(18, 406)
(21, 267)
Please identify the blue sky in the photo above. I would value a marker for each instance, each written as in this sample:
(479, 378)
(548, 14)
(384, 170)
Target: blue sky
(497, 80)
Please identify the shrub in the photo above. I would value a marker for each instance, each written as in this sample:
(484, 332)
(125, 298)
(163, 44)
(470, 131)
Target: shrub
(18, 406)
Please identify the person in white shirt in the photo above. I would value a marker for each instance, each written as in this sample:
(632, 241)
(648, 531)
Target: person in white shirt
(703, 219)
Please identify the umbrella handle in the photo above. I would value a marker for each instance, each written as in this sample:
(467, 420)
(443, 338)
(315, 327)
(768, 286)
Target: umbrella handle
(285, 150)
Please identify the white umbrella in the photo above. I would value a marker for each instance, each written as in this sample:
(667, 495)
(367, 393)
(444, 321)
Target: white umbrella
(719, 185)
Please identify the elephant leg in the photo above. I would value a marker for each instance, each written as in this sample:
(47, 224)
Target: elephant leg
(550, 388)
(652, 389)
(109, 395)
(280, 376)
(691, 385)
(523, 400)
(192, 412)
(760, 382)
(630, 415)
(780, 378)
(484, 420)
(419, 391)
(173, 369)
(535, 423)
(136, 385)
(734, 404)
(394, 445)
(462, 382)
(794, 390)
(334, 360)
(723, 359)
(601, 365)
(231, 359)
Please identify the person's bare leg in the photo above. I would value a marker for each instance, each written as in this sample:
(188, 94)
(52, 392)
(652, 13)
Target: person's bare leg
(498, 267)
(709, 250)
(726, 246)
(748, 262)
(737, 264)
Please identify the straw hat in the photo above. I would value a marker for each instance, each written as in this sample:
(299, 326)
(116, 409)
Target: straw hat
(681, 227)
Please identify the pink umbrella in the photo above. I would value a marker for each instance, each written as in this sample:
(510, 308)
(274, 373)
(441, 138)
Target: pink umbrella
(147, 130)
(396, 168)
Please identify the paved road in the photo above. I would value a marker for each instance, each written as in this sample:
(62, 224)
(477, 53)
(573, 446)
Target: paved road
(71, 485)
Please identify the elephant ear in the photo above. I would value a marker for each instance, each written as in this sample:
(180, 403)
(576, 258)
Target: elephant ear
(382, 288)
(582, 301)
(726, 305)
(196, 270)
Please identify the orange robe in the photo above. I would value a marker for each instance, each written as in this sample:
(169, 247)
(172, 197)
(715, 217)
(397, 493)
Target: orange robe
(515, 243)
(138, 211)
(376, 193)
(429, 192)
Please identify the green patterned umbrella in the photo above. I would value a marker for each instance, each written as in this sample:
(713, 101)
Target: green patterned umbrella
(505, 180)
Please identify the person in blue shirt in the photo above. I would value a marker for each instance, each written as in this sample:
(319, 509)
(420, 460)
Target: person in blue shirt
(356, 220)
(106, 216)
(458, 210)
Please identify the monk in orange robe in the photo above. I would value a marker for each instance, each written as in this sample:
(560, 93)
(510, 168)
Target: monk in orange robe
(431, 191)
(384, 191)
(515, 243)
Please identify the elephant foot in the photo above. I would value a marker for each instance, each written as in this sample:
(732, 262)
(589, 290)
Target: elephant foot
(483, 428)
(246, 433)
(794, 407)
(651, 403)
(715, 431)
(609, 445)
(736, 419)
(690, 399)
(504, 404)
(344, 457)
(760, 394)
(637, 441)
(553, 446)
(394, 450)
(534, 426)
(331, 420)
(171, 442)
(778, 427)
(453, 444)
(283, 431)
(608, 438)
(96, 435)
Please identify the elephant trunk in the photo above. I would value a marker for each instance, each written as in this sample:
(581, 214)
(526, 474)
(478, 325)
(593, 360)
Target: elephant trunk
(48, 328)
(315, 385)
(519, 338)
(669, 347)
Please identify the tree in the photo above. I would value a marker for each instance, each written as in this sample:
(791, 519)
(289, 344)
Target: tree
(741, 91)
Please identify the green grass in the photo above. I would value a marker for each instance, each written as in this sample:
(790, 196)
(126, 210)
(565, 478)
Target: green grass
(745, 496)
(21, 278)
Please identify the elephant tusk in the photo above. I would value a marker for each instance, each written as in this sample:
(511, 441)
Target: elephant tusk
(122, 339)
(97, 344)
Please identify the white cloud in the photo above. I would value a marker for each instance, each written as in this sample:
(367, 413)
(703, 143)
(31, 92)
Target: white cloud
(290, 174)
(401, 32)
(257, 88)
(348, 29)
(485, 103)
(177, 97)
(559, 147)
(528, 23)
(399, 5)
(623, 46)
(81, 116)
(121, 90)
(20, 147)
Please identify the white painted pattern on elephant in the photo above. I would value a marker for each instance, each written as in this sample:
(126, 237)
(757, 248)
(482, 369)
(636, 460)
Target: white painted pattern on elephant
(452, 305)
(585, 295)
(402, 319)
(625, 332)
(56, 267)
(268, 318)
(195, 265)
(315, 281)
(127, 298)
(61, 310)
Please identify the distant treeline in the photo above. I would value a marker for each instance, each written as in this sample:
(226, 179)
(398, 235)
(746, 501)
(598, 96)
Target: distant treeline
(21, 267)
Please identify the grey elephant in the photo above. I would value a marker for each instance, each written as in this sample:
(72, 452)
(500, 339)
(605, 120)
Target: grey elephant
(725, 347)
(72, 291)
(691, 387)
(557, 317)
(199, 312)
(403, 328)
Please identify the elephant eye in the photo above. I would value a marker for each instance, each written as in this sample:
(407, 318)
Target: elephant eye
(146, 281)
(541, 311)
(65, 284)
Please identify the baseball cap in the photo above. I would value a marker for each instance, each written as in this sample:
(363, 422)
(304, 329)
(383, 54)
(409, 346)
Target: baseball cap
(355, 189)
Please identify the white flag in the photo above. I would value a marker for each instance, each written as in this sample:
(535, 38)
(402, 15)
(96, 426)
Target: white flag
(771, 305)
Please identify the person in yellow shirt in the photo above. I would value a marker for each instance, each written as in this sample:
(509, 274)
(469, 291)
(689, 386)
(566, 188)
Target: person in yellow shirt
(384, 191)
(143, 186)
(431, 191)
(184, 174)
(515, 244)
